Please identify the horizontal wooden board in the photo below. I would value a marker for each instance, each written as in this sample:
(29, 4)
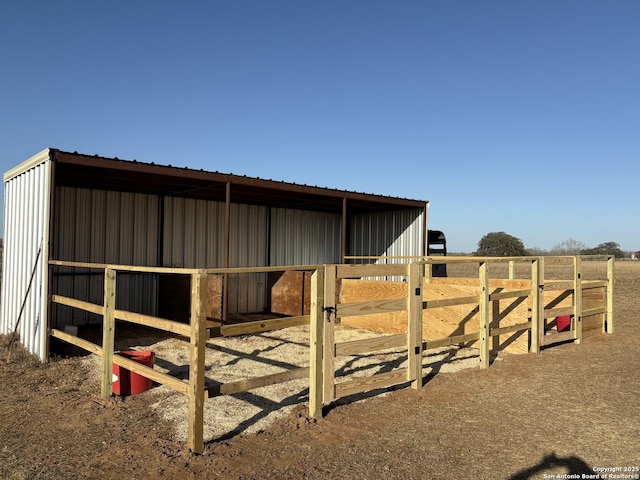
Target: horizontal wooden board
(510, 294)
(558, 337)
(558, 261)
(131, 365)
(550, 285)
(125, 268)
(371, 307)
(505, 283)
(155, 322)
(148, 372)
(594, 311)
(77, 341)
(252, 383)
(451, 302)
(280, 268)
(368, 345)
(558, 312)
(361, 385)
(513, 328)
(453, 340)
(80, 304)
(359, 271)
(259, 326)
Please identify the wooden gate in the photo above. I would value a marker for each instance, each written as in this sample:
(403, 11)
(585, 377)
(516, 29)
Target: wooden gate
(561, 298)
(327, 309)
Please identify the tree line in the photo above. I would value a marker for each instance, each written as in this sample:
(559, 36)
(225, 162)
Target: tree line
(501, 244)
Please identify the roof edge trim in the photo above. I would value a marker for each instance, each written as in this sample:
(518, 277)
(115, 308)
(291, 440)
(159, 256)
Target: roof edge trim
(40, 157)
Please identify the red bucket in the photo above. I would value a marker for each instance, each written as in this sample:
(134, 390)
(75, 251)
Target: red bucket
(125, 382)
(564, 323)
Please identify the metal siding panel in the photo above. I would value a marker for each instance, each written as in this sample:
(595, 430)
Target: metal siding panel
(25, 211)
(300, 237)
(396, 233)
(193, 233)
(105, 227)
(248, 248)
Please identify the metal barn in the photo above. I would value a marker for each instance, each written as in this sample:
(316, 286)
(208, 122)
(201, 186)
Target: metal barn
(73, 207)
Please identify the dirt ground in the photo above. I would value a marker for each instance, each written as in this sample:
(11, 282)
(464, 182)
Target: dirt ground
(573, 409)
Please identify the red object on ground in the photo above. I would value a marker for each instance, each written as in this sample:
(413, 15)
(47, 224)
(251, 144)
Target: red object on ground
(564, 323)
(126, 382)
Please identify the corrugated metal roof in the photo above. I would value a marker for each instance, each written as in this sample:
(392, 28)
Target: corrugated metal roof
(79, 170)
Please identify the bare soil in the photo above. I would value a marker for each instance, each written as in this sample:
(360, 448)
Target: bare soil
(570, 410)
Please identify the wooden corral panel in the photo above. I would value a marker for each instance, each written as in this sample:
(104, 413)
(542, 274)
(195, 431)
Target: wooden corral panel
(448, 321)
(290, 292)
(592, 299)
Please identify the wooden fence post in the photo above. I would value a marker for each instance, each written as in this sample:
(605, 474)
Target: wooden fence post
(329, 341)
(316, 337)
(536, 300)
(484, 315)
(108, 331)
(428, 271)
(541, 304)
(608, 325)
(512, 269)
(414, 327)
(577, 298)
(195, 437)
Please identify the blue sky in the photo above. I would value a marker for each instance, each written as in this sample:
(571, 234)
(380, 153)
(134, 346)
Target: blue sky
(509, 116)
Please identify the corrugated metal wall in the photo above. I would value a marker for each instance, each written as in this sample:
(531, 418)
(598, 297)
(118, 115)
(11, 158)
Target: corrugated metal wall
(104, 227)
(122, 228)
(26, 210)
(194, 238)
(300, 237)
(395, 233)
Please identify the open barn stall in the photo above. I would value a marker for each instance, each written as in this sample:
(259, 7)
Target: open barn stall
(80, 208)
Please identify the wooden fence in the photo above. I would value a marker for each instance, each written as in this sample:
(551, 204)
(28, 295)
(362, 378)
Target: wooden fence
(407, 304)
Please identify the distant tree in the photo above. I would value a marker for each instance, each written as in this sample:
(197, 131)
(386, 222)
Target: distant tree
(500, 244)
(536, 252)
(569, 247)
(607, 248)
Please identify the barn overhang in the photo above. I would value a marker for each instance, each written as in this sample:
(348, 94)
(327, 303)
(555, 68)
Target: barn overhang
(78, 170)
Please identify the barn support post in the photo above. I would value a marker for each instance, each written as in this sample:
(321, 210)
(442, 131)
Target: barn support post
(329, 341)
(316, 334)
(414, 327)
(108, 331)
(195, 437)
(608, 324)
(483, 306)
(535, 307)
(227, 251)
(344, 231)
(577, 298)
